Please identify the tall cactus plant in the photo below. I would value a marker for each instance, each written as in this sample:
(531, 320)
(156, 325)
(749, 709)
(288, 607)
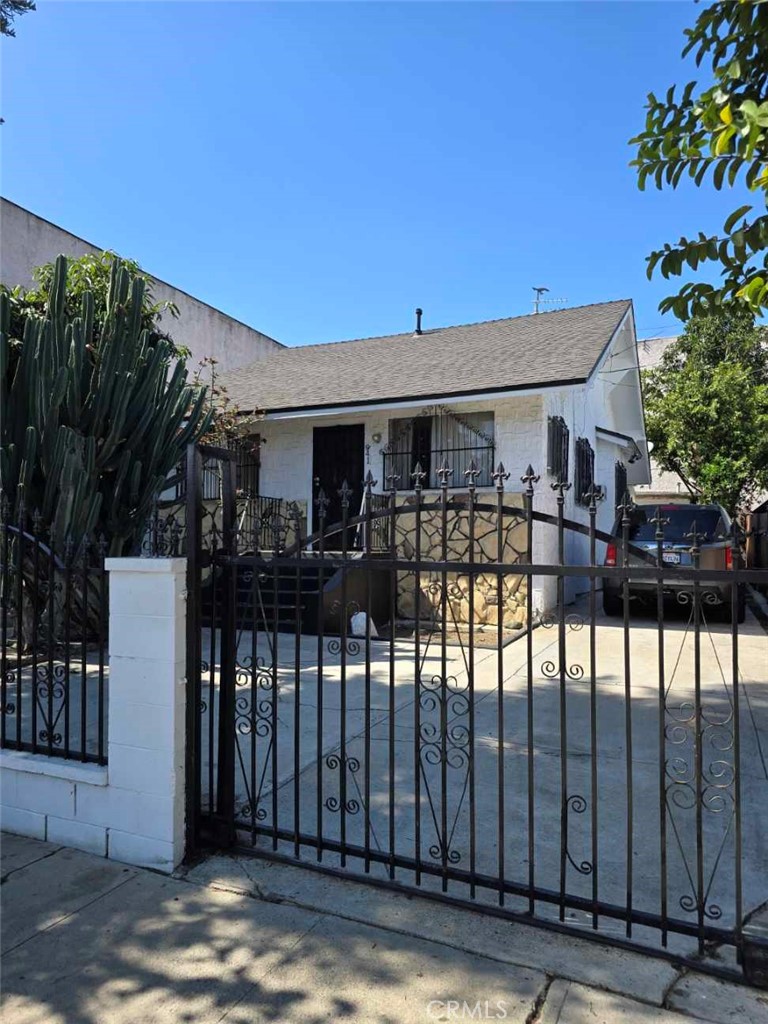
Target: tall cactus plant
(89, 431)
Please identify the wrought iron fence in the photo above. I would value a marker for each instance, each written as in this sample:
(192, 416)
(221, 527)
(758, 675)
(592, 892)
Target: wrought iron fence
(261, 522)
(400, 465)
(370, 711)
(53, 641)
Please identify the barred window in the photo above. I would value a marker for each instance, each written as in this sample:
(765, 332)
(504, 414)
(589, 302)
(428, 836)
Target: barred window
(247, 466)
(620, 483)
(585, 470)
(439, 435)
(557, 448)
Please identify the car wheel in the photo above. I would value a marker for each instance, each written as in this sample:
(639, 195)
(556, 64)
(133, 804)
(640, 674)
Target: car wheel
(612, 604)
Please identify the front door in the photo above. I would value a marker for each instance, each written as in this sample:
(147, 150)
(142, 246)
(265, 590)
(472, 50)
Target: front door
(337, 455)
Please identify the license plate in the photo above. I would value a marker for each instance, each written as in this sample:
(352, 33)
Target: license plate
(671, 557)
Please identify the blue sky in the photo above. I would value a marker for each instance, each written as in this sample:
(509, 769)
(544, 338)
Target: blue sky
(318, 170)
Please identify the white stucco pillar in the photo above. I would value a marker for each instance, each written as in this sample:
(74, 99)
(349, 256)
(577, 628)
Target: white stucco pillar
(147, 698)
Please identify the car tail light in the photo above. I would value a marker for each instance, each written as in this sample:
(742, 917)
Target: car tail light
(610, 554)
(729, 558)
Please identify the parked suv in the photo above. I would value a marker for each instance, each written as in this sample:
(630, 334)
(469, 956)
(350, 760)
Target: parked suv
(712, 526)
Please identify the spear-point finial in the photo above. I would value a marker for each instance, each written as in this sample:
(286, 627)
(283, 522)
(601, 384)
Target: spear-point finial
(659, 521)
(321, 503)
(529, 478)
(445, 472)
(500, 476)
(417, 476)
(694, 535)
(369, 482)
(393, 479)
(345, 492)
(625, 508)
(561, 486)
(472, 473)
(593, 496)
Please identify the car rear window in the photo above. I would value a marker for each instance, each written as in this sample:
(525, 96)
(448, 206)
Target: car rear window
(709, 523)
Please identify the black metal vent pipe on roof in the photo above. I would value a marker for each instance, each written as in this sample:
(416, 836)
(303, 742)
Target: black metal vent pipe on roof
(419, 313)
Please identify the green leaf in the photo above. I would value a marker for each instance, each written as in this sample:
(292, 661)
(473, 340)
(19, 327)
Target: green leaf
(734, 217)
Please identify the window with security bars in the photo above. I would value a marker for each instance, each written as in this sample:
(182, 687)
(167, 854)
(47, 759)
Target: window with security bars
(430, 440)
(247, 467)
(619, 483)
(585, 471)
(557, 448)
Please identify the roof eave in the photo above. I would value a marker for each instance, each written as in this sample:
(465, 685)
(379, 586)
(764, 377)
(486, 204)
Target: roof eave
(400, 400)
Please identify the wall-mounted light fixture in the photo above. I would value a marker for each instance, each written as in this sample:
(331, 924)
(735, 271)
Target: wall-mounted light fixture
(376, 437)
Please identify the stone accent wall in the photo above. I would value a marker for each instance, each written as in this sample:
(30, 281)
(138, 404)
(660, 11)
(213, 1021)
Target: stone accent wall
(428, 603)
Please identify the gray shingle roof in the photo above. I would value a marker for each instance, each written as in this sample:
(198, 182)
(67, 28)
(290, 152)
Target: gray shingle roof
(561, 346)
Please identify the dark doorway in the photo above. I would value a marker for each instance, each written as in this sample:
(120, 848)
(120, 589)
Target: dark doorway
(337, 455)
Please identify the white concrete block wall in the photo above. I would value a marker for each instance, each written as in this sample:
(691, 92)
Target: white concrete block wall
(132, 809)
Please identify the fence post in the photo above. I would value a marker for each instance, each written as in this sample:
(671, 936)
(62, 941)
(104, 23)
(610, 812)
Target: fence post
(225, 779)
(147, 705)
(193, 515)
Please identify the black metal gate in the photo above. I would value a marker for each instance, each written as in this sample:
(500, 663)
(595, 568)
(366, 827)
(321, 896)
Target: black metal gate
(383, 698)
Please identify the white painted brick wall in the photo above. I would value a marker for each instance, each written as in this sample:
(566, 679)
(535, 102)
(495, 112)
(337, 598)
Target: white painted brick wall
(132, 810)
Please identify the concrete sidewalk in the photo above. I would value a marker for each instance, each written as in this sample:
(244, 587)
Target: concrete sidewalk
(86, 941)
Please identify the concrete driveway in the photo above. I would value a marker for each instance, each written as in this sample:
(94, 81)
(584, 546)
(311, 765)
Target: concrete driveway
(462, 812)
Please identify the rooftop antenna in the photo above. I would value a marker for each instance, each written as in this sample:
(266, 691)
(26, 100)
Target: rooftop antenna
(537, 300)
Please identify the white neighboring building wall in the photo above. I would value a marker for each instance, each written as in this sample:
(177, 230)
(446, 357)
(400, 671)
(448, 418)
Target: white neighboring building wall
(664, 485)
(28, 241)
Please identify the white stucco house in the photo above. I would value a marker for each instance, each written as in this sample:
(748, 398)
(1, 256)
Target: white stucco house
(559, 390)
(28, 241)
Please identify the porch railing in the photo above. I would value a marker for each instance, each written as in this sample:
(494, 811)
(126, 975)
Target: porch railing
(264, 522)
(380, 525)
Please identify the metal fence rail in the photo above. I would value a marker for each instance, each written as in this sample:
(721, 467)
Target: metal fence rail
(53, 641)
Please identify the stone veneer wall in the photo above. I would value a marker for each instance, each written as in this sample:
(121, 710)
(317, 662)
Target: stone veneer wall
(427, 605)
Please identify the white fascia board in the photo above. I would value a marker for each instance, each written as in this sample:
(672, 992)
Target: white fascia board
(607, 351)
(633, 369)
(354, 410)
